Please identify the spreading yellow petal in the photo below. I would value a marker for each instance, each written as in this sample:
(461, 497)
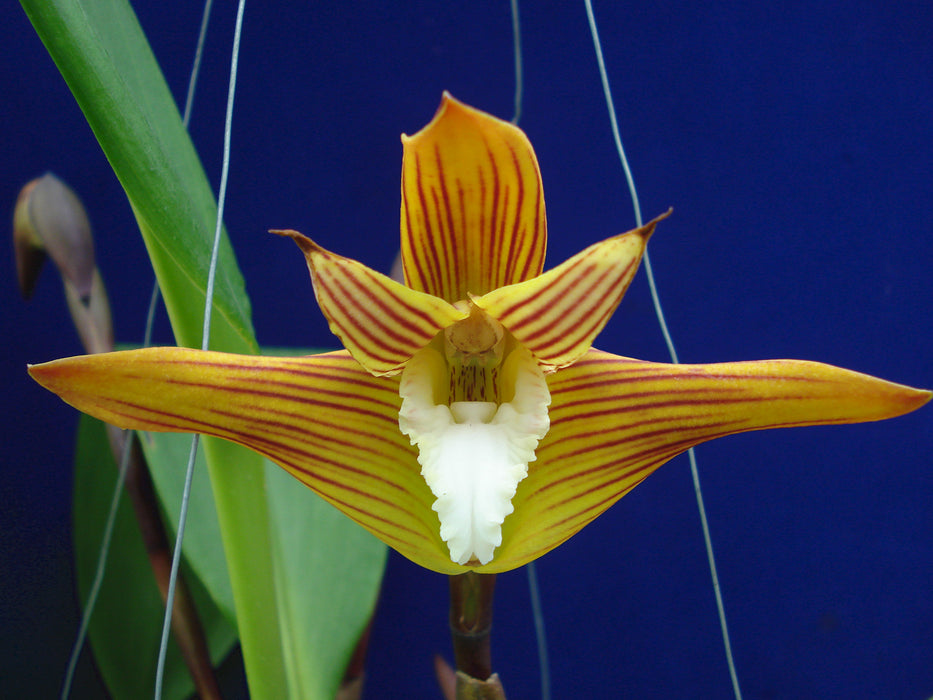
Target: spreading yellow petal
(322, 418)
(558, 314)
(381, 322)
(335, 427)
(616, 420)
(472, 205)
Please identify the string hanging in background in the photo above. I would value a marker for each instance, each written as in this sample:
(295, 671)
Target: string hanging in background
(656, 300)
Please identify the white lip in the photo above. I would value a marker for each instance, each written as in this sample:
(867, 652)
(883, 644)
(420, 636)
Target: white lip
(473, 454)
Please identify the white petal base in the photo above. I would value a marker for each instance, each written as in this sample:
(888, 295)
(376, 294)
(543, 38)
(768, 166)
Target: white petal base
(473, 454)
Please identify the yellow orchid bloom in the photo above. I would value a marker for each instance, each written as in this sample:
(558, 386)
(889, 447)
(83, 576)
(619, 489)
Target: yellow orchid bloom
(469, 424)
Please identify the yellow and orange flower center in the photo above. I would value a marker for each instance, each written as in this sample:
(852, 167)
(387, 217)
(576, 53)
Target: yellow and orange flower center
(474, 349)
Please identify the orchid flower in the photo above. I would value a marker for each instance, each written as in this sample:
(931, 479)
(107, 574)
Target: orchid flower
(469, 423)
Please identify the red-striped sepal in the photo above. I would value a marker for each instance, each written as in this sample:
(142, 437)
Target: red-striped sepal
(615, 420)
(322, 418)
(558, 314)
(335, 427)
(381, 322)
(472, 204)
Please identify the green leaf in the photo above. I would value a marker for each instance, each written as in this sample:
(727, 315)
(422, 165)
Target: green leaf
(167, 456)
(126, 626)
(328, 587)
(104, 57)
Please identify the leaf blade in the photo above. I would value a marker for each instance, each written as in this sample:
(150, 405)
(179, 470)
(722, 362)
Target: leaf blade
(124, 631)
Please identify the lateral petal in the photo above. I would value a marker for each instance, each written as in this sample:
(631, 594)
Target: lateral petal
(558, 314)
(381, 322)
(472, 204)
(615, 420)
(322, 418)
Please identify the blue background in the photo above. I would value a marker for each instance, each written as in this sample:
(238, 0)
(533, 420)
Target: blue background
(793, 141)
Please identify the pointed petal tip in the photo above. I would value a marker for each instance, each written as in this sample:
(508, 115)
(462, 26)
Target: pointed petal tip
(63, 375)
(303, 242)
(647, 230)
(916, 398)
(452, 108)
(39, 371)
(43, 373)
(312, 251)
(449, 102)
(861, 397)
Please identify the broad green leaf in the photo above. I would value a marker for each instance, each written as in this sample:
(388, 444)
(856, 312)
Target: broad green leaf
(127, 622)
(104, 57)
(328, 612)
(106, 61)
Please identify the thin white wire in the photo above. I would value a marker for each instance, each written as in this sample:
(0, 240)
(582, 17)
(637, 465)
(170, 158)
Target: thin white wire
(196, 65)
(517, 51)
(205, 341)
(655, 298)
(107, 536)
(537, 611)
(101, 568)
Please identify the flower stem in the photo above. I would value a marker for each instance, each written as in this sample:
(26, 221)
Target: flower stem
(186, 623)
(471, 622)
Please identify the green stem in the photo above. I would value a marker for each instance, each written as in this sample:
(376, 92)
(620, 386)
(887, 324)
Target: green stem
(240, 495)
